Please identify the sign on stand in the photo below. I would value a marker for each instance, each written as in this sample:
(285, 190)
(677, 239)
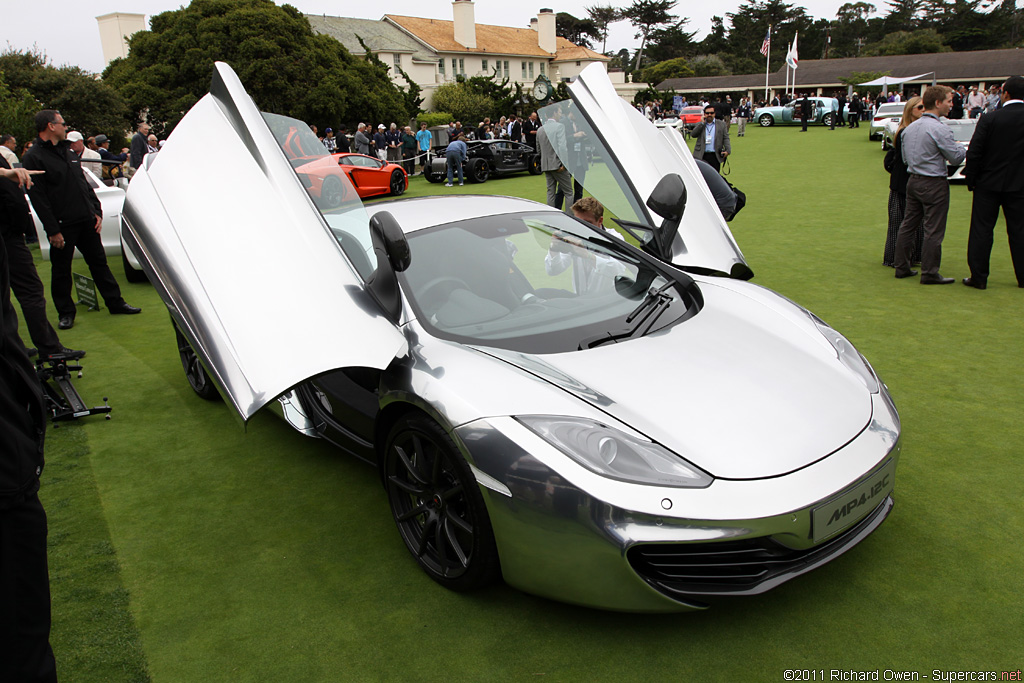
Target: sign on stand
(86, 289)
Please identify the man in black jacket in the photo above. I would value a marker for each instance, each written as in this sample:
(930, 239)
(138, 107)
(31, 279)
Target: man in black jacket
(15, 219)
(139, 146)
(995, 174)
(72, 217)
(25, 653)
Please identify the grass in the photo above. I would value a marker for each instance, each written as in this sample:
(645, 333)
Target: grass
(185, 547)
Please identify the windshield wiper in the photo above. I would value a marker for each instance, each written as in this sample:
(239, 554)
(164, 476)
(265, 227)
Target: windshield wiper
(657, 296)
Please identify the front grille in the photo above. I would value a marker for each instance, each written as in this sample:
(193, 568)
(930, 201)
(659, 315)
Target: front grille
(725, 567)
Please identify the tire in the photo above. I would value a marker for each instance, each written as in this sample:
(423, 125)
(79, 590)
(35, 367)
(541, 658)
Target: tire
(478, 171)
(534, 167)
(826, 119)
(437, 505)
(885, 145)
(130, 274)
(431, 176)
(766, 121)
(331, 193)
(195, 373)
(397, 184)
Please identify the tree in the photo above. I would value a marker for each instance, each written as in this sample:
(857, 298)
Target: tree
(709, 65)
(463, 103)
(603, 17)
(672, 68)
(646, 16)
(284, 66)
(88, 105)
(671, 42)
(578, 31)
(17, 107)
(923, 41)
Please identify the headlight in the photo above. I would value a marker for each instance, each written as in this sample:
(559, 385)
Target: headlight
(848, 354)
(615, 455)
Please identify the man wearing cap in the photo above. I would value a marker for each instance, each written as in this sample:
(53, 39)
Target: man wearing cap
(380, 143)
(90, 159)
(139, 145)
(330, 142)
(72, 217)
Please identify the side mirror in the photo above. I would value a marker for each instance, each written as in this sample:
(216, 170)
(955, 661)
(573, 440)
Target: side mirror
(393, 256)
(668, 200)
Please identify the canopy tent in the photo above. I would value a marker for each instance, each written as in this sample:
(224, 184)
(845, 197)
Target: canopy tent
(886, 81)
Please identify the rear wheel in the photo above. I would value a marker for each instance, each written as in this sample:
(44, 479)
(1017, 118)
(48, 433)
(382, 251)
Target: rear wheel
(397, 182)
(534, 167)
(332, 193)
(195, 373)
(437, 505)
(766, 120)
(479, 171)
(130, 273)
(430, 175)
(826, 120)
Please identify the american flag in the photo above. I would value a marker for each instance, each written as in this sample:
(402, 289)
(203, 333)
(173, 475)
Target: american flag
(767, 42)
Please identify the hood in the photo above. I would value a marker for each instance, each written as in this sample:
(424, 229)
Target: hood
(242, 259)
(620, 157)
(749, 392)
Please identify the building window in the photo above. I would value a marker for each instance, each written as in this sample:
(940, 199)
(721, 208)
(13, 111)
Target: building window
(531, 71)
(462, 66)
(577, 63)
(484, 66)
(524, 71)
(398, 61)
(440, 66)
(542, 65)
(455, 66)
(506, 68)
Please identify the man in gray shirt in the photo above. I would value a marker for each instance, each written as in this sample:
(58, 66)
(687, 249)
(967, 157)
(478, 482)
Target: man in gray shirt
(928, 145)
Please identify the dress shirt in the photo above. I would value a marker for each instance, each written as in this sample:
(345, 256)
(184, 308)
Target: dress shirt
(709, 137)
(928, 145)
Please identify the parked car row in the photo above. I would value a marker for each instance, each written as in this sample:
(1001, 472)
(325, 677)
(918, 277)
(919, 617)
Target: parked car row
(486, 158)
(790, 113)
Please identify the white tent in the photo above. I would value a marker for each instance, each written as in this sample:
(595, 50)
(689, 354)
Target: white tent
(886, 81)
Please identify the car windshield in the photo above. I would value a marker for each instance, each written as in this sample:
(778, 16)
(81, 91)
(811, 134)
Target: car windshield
(963, 131)
(535, 283)
(891, 108)
(329, 187)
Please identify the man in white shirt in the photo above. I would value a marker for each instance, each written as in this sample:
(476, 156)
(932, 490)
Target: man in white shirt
(592, 273)
(8, 143)
(90, 159)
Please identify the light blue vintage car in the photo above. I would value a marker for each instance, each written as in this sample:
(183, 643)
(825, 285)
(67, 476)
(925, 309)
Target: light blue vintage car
(790, 113)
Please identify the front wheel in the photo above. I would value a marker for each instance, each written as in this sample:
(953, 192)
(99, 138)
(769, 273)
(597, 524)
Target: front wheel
(766, 120)
(195, 373)
(437, 505)
(535, 165)
(397, 182)
(826, 120)
(479, 171)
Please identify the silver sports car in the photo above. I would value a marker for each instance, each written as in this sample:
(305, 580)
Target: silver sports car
(608, 417)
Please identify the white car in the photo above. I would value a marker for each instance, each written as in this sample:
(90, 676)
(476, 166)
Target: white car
(889, 132)
(112, 200)
(673, 122)
(963, 131)
(886, 112)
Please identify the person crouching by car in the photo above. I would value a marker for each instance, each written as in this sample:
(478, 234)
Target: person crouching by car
(456, 154)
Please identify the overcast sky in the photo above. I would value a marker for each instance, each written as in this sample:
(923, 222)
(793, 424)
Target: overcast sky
(66, 30)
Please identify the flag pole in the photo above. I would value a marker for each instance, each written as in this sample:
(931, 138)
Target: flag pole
(767, 62)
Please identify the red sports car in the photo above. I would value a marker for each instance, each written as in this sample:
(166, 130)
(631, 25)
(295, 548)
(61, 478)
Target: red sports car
(691, 116)
(322, 173)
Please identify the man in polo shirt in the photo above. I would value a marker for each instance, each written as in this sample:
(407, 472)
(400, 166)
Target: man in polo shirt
(928, 146)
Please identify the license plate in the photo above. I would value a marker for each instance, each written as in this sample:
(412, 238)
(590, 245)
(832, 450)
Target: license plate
(849, 507)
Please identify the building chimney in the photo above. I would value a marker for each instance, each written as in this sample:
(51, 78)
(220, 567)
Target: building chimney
(546, 30)
(465, 23)
(533, 23)
(115, 29)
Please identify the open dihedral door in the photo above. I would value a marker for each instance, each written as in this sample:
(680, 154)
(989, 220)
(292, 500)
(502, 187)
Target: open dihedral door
(244, 260)
(621, 157)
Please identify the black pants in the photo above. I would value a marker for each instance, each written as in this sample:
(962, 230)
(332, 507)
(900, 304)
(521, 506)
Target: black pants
(87, 240)
(927, 206)
(711, 159)
(25, 653)
(984, 213)
(28, 289)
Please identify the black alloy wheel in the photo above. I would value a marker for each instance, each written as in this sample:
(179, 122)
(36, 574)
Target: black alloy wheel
(766, 120)
(437, 505)
(479, 171)
(534, 167)
(397, 182)
(331, 193)
(195, 373)
(130, 273)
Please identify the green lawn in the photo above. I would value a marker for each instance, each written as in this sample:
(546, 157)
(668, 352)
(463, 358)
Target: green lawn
(186, 547)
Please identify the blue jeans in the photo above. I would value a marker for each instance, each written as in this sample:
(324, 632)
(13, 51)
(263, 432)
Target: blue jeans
(454, 161)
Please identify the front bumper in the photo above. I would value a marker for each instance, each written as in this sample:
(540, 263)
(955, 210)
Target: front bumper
(570, 535)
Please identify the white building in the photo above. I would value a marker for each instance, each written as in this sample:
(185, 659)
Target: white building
(436, 51)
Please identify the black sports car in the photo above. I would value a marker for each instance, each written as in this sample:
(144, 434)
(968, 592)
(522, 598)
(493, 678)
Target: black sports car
(487, 158)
